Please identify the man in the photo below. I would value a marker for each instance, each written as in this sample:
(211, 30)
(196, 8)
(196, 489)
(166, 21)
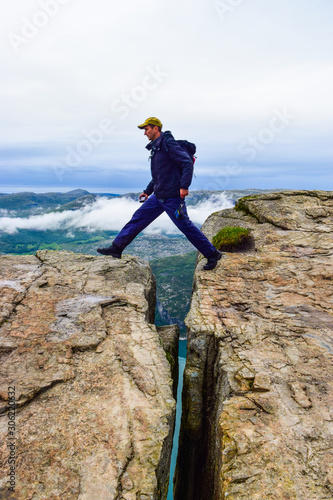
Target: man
(172, 171)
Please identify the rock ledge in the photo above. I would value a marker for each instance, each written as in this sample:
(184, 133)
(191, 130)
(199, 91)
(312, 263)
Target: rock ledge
(258, 385)
(95, 409)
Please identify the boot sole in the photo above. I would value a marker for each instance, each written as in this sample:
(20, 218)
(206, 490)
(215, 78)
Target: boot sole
(102, 252)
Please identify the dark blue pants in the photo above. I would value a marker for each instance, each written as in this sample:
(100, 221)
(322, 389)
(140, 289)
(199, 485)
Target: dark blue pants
(153, 208)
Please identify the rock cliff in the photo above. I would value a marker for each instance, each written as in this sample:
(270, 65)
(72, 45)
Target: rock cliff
(258, 387)
(92, 384)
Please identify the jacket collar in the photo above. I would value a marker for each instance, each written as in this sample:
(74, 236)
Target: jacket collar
(155, 144)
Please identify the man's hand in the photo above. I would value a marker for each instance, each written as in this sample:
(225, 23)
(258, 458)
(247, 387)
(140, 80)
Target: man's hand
(183, 193)
(143, 194)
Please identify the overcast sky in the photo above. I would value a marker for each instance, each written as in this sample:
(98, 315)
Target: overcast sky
(249, 81)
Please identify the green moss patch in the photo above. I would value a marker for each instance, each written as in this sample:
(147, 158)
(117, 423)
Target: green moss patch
(241, 206)
(231, 239)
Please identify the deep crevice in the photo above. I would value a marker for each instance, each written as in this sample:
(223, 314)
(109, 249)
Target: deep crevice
(195, 471)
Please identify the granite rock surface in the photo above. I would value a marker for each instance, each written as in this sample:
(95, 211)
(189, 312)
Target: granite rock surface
(93, 387)
(258, 385)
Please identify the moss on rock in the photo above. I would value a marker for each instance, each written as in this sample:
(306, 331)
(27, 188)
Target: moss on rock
(230, 238)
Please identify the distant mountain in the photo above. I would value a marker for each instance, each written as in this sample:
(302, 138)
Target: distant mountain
(38, 202)
(77, 203)
(195, 197)
(29, 203)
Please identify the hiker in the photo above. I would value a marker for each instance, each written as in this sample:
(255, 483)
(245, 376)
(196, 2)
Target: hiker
(172, 171)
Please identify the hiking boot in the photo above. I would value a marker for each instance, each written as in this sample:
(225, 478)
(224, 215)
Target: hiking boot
(212, 261)
(113, 250)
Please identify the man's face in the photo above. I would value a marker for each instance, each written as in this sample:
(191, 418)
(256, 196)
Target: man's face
(152, 132)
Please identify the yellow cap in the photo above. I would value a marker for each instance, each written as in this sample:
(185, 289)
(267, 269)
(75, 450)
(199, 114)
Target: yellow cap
(151, 121)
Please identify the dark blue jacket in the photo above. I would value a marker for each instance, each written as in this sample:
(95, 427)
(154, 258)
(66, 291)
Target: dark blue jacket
(171, 167)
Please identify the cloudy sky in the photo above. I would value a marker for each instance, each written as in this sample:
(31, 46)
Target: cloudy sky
(249, 81)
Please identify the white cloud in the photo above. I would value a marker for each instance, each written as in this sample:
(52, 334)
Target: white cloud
(109, 215)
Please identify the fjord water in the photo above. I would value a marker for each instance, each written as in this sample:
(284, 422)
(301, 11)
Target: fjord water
(181, 361)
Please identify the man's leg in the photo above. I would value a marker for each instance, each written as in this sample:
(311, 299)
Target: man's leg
(145, 215)
(192, 233)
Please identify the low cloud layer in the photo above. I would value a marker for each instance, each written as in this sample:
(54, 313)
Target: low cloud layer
(109, 215)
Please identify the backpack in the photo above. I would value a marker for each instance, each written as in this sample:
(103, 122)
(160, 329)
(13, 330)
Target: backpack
(189, 148)
(186, 146)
